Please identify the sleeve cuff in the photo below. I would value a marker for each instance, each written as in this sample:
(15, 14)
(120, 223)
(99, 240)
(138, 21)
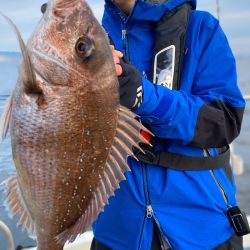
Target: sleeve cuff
(156, 103)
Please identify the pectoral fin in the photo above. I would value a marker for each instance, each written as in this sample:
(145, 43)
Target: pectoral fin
(26, 69)
(5, 119)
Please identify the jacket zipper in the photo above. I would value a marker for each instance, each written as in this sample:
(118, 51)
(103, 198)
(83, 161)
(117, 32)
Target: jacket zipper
(125, 40)
(220, 187)
(223, 192)
(150, 213)
(165, 244)
(143, 225)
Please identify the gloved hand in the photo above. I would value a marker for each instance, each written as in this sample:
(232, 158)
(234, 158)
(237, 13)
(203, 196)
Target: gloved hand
(130, 83)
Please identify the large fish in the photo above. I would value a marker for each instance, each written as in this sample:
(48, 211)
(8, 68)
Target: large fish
(70, 137)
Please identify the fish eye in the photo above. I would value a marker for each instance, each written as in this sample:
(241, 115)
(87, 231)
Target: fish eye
(81, 47)
(84, 48)
(44, 8)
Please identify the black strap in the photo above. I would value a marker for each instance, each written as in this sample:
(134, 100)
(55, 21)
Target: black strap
(183, 162)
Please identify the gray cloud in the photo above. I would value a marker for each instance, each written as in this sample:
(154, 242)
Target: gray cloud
(235, 18)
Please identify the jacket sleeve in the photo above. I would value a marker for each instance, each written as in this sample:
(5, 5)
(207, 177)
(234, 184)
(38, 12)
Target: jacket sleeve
(211, 114)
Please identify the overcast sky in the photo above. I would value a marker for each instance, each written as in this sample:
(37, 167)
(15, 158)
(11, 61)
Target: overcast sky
(235, 20)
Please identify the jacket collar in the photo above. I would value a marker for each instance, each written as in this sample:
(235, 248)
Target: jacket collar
(146, 11)
(169, 3)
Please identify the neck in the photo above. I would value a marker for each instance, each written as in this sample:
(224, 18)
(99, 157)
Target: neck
(125, 5)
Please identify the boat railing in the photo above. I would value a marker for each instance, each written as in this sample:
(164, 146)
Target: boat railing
(247, 97)
(8, 235)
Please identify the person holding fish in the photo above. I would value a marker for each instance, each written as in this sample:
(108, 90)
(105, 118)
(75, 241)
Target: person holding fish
(164, 125)
(177, 72)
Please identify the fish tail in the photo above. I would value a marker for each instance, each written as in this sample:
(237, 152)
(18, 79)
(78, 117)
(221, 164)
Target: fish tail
(26, 69)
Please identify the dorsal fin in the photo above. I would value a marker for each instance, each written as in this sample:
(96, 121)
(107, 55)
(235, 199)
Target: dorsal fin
(127, 136)
(5, 119)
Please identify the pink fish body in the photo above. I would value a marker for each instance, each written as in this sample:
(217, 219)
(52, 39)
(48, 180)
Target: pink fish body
(70, 137)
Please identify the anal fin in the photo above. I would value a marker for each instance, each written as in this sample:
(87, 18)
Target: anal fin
(17, 206)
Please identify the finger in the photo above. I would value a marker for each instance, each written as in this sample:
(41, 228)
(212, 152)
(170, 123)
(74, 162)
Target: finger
(116, 59)
(118, 53)
(118, 69)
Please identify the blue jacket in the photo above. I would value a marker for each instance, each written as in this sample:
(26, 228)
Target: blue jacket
(188, 206)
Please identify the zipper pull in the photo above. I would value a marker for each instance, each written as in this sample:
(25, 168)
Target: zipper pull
(124, 33)
(150, 211)
(124, 39)
(144, 74)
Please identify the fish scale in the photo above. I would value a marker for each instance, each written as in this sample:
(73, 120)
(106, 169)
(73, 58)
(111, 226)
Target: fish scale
(70, 137)
(51, 188)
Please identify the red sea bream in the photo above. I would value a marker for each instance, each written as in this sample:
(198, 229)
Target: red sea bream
(70, 137)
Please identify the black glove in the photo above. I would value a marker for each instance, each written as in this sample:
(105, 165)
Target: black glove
(130, 82)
